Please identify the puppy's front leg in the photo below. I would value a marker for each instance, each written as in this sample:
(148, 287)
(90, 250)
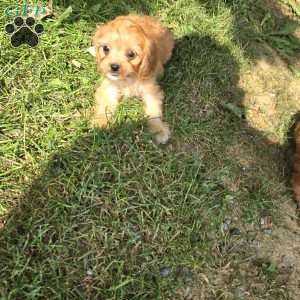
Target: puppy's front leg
(107, 100)
(152, 97)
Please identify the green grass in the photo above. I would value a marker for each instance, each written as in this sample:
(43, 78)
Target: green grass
(88, 214)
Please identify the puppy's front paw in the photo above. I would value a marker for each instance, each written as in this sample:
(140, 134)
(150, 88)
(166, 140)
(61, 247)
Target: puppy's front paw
(163, 136)
(100, 121)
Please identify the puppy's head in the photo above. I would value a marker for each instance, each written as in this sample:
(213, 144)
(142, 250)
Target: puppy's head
(123, 50)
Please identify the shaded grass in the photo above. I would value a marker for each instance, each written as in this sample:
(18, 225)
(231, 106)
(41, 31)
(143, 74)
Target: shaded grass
(95, 215)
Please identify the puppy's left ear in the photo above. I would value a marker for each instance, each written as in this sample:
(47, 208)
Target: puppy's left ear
(149, 62)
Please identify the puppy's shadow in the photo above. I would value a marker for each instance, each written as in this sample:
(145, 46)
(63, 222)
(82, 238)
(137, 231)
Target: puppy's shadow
(201, 84)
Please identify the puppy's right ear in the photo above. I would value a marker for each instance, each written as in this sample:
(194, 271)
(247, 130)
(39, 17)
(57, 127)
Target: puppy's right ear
(96, 42)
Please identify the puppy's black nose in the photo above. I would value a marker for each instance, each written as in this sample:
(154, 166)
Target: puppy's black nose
(115, 67)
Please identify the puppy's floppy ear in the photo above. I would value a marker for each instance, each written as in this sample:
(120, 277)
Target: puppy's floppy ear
(149, 61)
(95, 41)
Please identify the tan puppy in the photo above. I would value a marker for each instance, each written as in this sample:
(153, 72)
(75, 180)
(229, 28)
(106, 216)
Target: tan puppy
(130, 52)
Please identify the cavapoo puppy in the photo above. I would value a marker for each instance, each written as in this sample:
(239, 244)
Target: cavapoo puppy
(130, 52)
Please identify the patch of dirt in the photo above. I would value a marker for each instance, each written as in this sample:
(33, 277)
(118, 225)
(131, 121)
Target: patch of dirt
(272, 95)
(258, 264)
(282, 248)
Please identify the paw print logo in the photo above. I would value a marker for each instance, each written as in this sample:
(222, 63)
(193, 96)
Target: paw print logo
(23, 31)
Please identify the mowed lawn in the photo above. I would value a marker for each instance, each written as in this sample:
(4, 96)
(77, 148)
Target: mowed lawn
(94, 214)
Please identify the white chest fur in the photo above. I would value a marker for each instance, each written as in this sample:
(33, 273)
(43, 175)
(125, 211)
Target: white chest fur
(130, 88)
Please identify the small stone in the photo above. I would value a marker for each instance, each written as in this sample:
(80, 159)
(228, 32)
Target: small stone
(267, 231)
(165, 271)
(234, 231)
(225, 226)
(89, 272)
(285, 263)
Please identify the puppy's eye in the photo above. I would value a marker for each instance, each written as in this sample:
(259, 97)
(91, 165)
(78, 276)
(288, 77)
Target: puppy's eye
(131, 54)
(105, 49)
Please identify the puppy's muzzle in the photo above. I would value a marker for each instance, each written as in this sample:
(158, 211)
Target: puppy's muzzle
(114, 72)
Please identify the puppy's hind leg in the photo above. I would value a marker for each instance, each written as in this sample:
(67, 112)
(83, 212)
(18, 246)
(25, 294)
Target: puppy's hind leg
(107, 100)
(153, 109)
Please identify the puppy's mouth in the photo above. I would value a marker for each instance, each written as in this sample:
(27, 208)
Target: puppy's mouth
(113, 75)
